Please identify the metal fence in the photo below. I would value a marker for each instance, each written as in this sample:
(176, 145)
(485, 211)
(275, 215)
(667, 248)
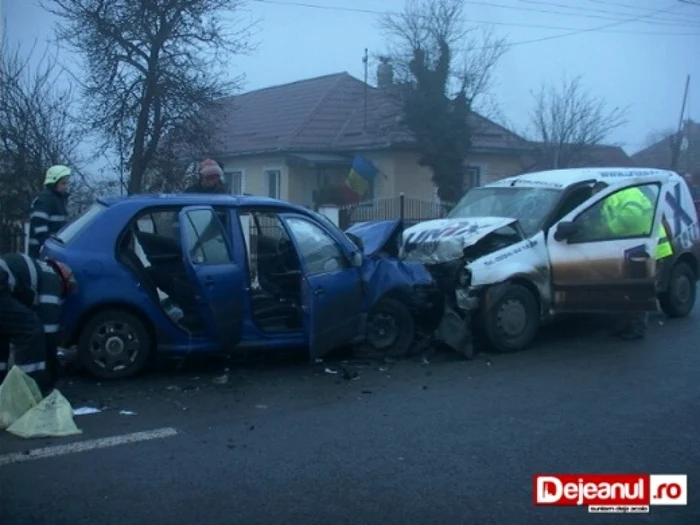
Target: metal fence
(410, 209)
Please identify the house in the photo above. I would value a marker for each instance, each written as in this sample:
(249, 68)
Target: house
(660, 154)
(292, 141)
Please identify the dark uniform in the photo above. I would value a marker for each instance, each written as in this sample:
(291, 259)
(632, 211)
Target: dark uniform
(210, 171)
(31, 293)
(48, 216)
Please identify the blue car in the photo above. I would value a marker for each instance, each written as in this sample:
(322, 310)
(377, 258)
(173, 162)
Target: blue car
(186, 274)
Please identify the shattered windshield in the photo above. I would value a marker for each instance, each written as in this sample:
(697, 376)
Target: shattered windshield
(529, 205)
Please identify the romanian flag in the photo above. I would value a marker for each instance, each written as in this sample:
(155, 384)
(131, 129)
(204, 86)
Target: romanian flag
(361, 176)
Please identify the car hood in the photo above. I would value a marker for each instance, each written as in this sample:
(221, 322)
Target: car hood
(374, 235)
(444, 240)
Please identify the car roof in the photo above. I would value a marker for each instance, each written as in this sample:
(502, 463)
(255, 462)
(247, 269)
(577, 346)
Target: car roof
(561, 179)
(195, 199)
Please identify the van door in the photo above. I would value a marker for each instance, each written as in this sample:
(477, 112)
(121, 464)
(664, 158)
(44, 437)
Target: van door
(217, 278)
(594, 270)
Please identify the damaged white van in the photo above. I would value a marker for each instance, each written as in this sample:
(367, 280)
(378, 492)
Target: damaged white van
(517, 252)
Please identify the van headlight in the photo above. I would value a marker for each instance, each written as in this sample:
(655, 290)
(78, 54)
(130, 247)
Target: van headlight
(464, 277)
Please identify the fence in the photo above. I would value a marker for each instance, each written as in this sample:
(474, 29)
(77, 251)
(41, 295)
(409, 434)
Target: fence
(13, 237)
(410, 209)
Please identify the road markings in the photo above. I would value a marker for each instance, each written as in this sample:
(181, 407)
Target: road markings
(84, 446)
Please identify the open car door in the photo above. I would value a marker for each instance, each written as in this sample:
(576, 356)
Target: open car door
(594, 270)
(332, 292)
(217, 278)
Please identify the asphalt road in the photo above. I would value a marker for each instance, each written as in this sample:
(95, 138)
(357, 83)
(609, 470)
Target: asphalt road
(403, 443)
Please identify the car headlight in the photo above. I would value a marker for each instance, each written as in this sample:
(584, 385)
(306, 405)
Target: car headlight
(464, 277)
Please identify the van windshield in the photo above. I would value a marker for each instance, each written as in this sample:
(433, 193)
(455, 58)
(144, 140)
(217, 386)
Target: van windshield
(74, 228)
(529, 205)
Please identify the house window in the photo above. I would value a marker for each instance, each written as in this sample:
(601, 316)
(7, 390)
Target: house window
(472, 177)
(233, 180)
(272, 183)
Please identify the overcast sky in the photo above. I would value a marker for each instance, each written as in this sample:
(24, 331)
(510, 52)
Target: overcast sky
(640, 63)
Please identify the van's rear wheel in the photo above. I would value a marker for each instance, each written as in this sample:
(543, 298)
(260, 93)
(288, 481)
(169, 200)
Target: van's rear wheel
(114, 345)
(679, 298)
(514, 319)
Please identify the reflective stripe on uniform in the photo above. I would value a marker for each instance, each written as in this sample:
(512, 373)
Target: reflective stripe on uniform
(33, 241)
(49, 299)
(11, 281)
(51, 328)
(33, 367)
(39, 215)
(33, 277)
(41, 229)
(57, 218)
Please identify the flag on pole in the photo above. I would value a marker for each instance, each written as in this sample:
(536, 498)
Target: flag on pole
(361, 175)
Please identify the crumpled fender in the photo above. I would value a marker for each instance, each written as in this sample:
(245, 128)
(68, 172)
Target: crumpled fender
(374, 235)
(382, 275)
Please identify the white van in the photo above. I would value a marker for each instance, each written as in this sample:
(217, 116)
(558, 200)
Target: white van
(519, 251)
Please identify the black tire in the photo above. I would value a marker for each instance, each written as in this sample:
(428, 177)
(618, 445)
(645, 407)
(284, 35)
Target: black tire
(391, 330)
(679, 298)
(125, 334)
(514, 319)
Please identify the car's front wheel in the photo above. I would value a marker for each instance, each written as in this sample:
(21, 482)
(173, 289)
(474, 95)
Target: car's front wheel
(390, 329)
(513, 321)
(679, 298)
(114, 345)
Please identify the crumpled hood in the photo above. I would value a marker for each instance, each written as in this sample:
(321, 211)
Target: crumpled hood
(444, 240)
(374, 235)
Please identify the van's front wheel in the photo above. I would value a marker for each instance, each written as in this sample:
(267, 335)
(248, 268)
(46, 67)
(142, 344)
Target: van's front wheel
(679, 298)
(513, 320)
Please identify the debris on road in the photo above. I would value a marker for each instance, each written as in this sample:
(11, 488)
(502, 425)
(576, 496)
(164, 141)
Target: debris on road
(330, 371)
(85, 411)
(261, 407)
(221, 380)
(126, 413)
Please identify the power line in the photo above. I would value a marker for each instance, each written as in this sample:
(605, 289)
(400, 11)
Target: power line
(474, 21)
(673, 21)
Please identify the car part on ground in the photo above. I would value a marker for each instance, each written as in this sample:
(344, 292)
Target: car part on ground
(114, 344)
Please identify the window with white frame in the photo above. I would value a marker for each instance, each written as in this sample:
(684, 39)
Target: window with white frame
(233, 180)
(272, 182)
(472, 177)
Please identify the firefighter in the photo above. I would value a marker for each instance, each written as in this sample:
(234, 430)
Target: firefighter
(49, 212)
(31, 294)
(211, 178)
(631, 212)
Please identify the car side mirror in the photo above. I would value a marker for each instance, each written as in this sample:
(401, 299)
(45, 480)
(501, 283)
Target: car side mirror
(566, 230)
(356, 259)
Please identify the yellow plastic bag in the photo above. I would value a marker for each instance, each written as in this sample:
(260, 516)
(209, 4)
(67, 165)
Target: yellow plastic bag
(18, 394)
(53, 417)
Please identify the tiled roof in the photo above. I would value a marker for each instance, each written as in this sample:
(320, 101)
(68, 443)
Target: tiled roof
(659, 155)
(328, 114)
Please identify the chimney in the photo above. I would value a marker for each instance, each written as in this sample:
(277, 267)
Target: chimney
(385, 73)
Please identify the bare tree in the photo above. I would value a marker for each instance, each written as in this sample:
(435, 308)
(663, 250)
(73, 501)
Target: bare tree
(37, 128)
(569, 120)
(445, 68)
(152, 66)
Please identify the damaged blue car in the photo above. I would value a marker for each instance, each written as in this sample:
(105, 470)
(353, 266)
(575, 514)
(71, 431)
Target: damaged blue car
(186, 274)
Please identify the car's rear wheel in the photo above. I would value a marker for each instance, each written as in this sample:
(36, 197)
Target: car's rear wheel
(391, 330)
(114, 344)
(514, 319)
(679, 298)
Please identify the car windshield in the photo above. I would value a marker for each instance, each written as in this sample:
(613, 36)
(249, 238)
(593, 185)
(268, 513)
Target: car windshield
(72, 229)
(529, 205)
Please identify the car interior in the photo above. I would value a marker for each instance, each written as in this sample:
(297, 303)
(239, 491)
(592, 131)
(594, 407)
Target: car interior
(274, 271)
(576, 196)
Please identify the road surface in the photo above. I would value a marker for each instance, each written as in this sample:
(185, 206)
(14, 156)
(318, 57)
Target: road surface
(402, 443)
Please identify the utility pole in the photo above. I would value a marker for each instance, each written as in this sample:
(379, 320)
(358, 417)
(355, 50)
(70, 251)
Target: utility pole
(365, 60)
(678, 139)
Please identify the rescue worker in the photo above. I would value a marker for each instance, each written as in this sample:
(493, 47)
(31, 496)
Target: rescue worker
(631, 212)
(211, 178)
(31, 294)
(49, 212)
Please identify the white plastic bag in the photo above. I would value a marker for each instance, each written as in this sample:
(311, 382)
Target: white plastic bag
(52, 417)
(18, 394)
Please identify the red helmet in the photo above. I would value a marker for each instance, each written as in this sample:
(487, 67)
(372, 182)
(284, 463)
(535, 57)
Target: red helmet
(66, 275)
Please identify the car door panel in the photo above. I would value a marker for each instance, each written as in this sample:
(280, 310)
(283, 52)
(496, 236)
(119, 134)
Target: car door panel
(218, 280)
(608, 275)
(332, 293)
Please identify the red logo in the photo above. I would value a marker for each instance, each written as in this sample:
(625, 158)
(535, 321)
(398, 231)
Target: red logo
(610, 489)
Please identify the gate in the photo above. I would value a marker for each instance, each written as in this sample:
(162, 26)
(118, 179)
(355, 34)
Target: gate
(410, 209)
